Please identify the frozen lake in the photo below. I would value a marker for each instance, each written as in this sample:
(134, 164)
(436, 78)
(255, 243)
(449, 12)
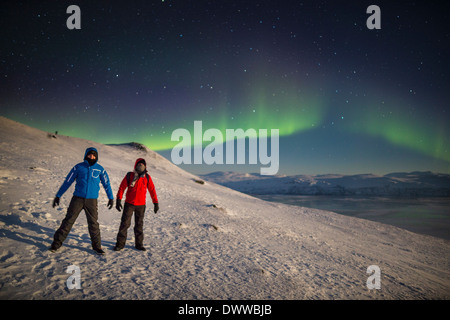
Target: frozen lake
(422, 215)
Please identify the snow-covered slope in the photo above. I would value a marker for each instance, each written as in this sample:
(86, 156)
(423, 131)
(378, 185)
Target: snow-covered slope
(423, 184)
(207, 241)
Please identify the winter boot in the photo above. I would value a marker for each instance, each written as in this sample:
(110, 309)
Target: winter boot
(99, 251)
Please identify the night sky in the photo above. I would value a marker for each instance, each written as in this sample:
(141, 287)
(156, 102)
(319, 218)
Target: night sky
(345, 99)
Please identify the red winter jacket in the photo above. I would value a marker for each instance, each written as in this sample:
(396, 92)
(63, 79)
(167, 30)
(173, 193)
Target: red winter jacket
(136, 195)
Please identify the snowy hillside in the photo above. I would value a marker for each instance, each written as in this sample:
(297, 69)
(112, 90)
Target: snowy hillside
(413, 184)
(206, 242)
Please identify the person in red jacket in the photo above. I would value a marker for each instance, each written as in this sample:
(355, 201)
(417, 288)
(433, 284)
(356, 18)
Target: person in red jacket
(137, 182)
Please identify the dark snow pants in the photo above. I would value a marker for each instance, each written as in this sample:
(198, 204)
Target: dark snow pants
(76, 205)
(125, 223)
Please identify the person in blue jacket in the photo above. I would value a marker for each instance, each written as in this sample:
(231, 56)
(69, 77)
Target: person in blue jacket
(88, 175)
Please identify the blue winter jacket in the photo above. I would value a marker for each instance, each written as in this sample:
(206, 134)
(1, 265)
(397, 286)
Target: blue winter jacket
(88, 178)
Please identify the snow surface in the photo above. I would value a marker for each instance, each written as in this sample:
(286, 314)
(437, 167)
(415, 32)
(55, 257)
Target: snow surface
(206, 242)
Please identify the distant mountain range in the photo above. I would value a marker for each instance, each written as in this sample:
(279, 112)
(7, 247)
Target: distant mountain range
(412, 184)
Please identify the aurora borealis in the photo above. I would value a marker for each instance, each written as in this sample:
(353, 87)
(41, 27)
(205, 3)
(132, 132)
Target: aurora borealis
(345, 99)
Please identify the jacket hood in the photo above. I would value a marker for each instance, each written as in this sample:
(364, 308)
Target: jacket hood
(140, 160)
(89, 150)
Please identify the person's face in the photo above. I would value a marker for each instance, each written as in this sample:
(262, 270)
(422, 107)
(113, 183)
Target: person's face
(91, 156)
(140, 167)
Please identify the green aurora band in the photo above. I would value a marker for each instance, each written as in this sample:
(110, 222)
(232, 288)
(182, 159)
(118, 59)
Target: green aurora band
(289, 110)
(289, 113)
(399, 128)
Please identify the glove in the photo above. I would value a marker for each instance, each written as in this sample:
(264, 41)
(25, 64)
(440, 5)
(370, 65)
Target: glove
(110, 203)
(118, 204)
(56, 202)
(155, 207)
